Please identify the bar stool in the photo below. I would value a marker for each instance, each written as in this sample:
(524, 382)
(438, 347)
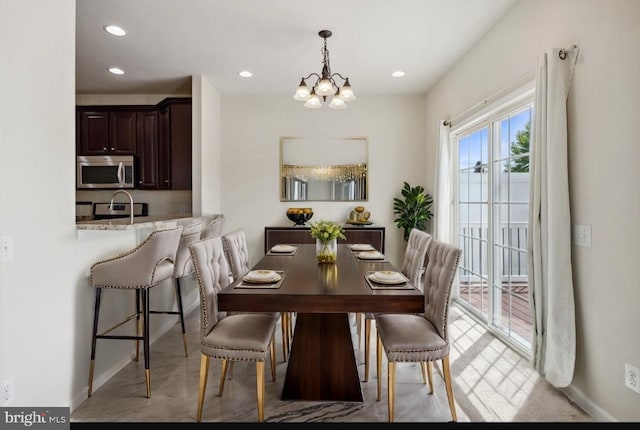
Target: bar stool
(139, 269)
(184, 267)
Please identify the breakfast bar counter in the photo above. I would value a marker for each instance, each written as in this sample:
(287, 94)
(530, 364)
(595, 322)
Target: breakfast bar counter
(141, 222)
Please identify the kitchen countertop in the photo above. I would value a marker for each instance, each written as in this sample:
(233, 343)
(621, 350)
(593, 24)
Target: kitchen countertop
(139, 222)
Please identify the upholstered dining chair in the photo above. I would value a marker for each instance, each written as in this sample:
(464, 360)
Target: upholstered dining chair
(214, 227)
(184, 267)
(422, 338)
(237, 252)
(415, 256)
(229, 337)
(139, 269)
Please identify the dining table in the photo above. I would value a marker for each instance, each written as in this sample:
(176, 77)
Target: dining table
(322, 363)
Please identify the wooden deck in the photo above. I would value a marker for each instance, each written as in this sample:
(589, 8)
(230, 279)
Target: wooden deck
(520, 322)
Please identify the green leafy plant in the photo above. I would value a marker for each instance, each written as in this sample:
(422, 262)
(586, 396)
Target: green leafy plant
(414, 210)
(325, 231)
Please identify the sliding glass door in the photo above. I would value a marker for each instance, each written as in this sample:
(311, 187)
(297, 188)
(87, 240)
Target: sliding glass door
(492, 217)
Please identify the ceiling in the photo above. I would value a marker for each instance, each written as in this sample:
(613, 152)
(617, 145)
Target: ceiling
(168, 41)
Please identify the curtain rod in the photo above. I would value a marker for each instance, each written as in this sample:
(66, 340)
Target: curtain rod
(514, 85)
(523, 79)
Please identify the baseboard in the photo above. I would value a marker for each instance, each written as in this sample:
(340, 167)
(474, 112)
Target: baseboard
(577, 397)
(100, 380)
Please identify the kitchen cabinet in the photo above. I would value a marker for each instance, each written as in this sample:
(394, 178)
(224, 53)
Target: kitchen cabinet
(103, 132)
(159, 136)
(176, 142)
(147, 151)
(371, 234)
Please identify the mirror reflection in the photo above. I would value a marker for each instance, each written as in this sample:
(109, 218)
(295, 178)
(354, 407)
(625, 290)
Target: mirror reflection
(330, 169)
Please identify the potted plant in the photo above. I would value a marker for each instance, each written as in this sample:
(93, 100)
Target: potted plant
(326, 234)
(414, 210)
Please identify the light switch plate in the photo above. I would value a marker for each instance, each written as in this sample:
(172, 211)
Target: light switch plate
(582, 235)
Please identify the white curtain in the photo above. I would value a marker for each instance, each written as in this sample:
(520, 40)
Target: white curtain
(444, 183)
(549, 246)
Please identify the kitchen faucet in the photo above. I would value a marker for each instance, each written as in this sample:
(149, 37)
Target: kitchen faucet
(130, 201)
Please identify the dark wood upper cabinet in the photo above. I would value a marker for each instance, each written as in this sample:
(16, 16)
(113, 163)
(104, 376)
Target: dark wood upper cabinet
(158, 135)
(94, 133)
(122, 132)
(180, 142)
(104, 132)
(147, 150)
(164, 149)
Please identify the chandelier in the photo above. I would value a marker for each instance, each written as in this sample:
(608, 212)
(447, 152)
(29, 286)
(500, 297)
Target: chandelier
(325, 84)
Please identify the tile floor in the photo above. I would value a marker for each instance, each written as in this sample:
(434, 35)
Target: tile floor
(481, 388)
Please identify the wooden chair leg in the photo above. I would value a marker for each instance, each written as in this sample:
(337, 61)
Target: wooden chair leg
(223, 375)
(260, 389)
(379, 365)
(423, 367)
(391, 388)
(204, 373)
(358, 327)
(447, 382)
(273, 358)
(430, 376)
(367, 336)
(283, 324)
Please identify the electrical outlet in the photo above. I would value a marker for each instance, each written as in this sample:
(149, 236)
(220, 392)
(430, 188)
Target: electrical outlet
(8, 391)
(632, 377)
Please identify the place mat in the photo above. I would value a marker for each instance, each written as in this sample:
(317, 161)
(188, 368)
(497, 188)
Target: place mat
(268, 286)
(270, 252)
(382, 259)
(376, 286)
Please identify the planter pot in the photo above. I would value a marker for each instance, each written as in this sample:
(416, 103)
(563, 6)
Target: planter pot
(326, 251)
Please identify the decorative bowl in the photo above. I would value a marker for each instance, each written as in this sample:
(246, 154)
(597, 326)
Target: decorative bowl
(299, 215)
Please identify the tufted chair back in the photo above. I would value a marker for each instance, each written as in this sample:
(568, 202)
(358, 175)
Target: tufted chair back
(214, 228)
(415, 255)
(235, 248)
(211, 269)
(184, 265)
(444, 259)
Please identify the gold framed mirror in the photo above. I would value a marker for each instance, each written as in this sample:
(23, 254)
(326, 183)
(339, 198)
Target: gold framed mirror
(324, 169)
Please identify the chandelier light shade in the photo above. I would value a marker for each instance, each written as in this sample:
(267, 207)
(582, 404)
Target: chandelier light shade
(325, 84)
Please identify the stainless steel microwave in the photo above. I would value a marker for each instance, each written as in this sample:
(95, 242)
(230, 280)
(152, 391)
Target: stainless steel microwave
(104, 171)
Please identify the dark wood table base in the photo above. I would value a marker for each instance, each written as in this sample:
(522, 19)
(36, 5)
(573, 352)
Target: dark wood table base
(322, 364)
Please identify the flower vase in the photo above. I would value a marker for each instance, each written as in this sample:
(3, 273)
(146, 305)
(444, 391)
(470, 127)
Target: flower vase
(327, 251)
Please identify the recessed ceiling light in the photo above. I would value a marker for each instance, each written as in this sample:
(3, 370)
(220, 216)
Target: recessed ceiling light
(245, 74)
(116, 70)
(115, 30)
(397, 74)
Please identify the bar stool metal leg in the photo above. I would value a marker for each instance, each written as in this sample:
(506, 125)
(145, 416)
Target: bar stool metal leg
(138, 328)
(145, 309)
(94, 338)
(179, 301)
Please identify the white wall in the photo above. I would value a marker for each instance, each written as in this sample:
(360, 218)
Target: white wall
(251, 131)
(46, 307)
(603, 106)
(37, 309)
(207, 161)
